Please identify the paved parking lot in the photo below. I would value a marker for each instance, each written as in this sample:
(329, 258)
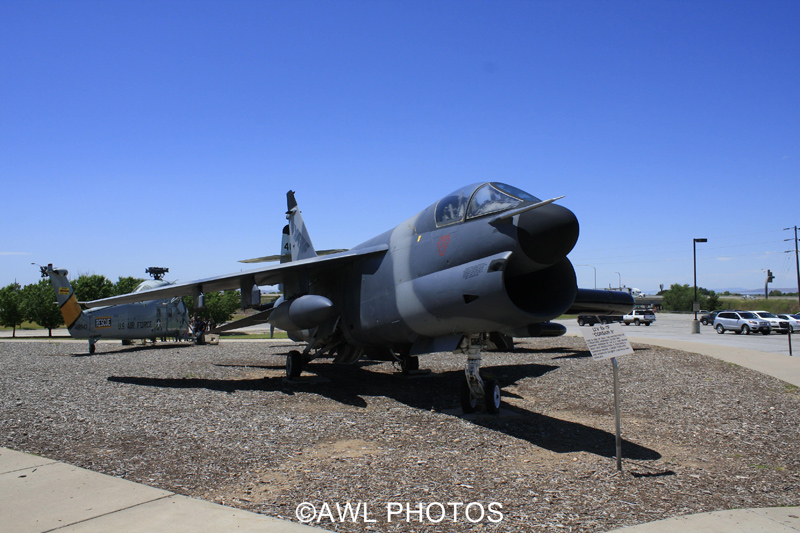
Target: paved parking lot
(679, 327)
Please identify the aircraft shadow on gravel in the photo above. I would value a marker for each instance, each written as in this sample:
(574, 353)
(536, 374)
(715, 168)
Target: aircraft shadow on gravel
(353, 385)
(122, 350)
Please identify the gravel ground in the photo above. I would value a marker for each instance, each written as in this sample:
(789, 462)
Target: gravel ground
(220, 423)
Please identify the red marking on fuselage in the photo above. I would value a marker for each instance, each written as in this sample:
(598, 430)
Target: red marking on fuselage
(444, 240)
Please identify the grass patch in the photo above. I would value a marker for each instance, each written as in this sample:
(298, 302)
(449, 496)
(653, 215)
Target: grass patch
(25, 325)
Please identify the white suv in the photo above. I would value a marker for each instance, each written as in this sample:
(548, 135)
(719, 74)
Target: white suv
(740, 322)
(775, 323)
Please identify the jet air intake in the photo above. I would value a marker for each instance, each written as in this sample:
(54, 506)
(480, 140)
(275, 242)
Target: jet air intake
(304, 312)
(546, 235)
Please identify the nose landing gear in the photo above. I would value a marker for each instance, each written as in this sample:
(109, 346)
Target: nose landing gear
(475, 389)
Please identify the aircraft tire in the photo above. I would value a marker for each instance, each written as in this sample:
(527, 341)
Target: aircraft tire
(91, 349)
(469, 403)
(294, 364)
(491, 391)
(409, 364)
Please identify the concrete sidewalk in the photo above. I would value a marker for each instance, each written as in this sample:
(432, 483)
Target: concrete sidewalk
(774, 520)
(778, 366)
(39, 494)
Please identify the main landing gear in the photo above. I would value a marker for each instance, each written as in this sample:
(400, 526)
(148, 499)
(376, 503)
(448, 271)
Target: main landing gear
(475, 389)
(295, 361)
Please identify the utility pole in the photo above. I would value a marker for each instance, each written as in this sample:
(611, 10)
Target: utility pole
(770, 278)
(796, 260)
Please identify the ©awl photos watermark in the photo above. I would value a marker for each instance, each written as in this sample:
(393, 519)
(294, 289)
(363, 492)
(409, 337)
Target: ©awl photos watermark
(428, 512)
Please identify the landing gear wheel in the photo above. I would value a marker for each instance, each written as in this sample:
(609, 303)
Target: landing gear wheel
(91, 349)
(469, 403)
(491, 392)
(294, 364)
(409, 364)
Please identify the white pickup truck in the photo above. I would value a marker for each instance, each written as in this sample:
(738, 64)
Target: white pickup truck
(639, 316)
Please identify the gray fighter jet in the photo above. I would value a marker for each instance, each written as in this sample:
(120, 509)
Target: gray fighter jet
(143, 320)
(487, 259)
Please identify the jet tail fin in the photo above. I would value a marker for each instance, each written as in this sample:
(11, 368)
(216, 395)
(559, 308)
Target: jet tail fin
(65, 296)
(299, 241)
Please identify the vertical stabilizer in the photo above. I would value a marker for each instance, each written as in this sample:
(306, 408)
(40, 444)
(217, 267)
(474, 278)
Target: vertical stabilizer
(67, 302)
(300, 242)
(286, 247)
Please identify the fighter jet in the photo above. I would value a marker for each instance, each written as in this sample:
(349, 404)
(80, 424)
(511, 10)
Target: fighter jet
(487, 258)
(148, 319)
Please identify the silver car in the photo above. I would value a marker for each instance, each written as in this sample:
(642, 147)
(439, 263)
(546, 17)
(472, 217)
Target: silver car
(775, 324)
(793, 320)
(740, 322)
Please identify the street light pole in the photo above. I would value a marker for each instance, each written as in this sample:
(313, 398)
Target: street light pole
(695, 324)
(595, 273)
(619, 277)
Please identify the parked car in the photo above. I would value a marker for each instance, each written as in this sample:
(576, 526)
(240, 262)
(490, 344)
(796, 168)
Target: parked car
(591, 320)
(708, 318)
(793, 320)
(740, 322)
(639, 316)
(775, 324)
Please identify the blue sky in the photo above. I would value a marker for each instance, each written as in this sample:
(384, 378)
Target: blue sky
(139, 134)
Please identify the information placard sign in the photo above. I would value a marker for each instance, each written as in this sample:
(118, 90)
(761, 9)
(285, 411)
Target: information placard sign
(606, 341)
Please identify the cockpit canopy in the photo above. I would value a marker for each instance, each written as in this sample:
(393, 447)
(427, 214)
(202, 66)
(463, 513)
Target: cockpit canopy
(148, 284)
(477, 200)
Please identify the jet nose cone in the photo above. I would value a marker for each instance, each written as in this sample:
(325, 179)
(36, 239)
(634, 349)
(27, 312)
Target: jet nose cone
(547, 234)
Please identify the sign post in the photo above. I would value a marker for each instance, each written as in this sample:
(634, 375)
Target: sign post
(605, 341)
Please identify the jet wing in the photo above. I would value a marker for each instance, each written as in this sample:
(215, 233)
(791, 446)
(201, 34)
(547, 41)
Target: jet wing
(273, 258)
(252, 320)
(269, 275)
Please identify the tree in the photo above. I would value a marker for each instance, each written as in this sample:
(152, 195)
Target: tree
(680, 298)
(220, 306)
(126, 285)
(39, 305)
(713, 301)
(92, 287)
(11, 314)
